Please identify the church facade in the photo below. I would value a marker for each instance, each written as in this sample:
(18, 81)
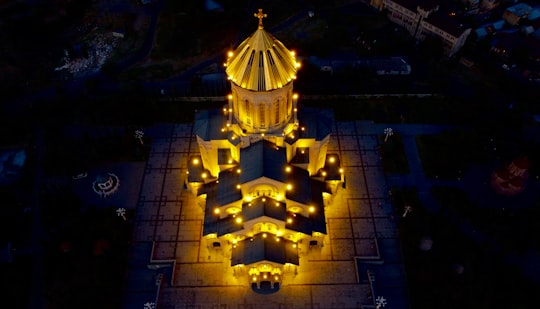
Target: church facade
(263, 176)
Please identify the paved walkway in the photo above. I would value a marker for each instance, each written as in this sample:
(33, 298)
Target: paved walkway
(362, 236)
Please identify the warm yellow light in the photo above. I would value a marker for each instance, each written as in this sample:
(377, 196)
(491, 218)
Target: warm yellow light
(293, 53)
(248, 199)
(295, 96)
(276, 278)
(288, 169)
(230, 97)
(341, 170)
(195, 161)
(279, 197)
(302, 151)
(303, 128)
(277, 239)
(323, 173)
(291, 135)
(295, 109)
(311, 209)
(264, 235)
(265, 276)
(238, 186)
(224, 110)
(254, 278)
(222, 129)
(230, 161)
(204, 175)
(289, 220)
(234, 241)
(230, 110)
(238, 171)
(332, 159)
(216, 211)
(238, 220)
(264, 199)
(294, 245)
(277, 204)
(230, 54)
(289, 187)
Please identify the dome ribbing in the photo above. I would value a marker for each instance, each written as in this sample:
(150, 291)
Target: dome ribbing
(261, 62)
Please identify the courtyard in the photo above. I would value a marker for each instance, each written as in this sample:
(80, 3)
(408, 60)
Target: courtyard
(361, 232)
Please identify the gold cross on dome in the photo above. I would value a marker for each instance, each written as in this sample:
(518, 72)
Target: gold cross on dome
(260, 16)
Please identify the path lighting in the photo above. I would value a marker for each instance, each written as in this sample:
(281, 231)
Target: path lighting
(408, 209)
(388, 132)
(380, 302)
(121, 212)
(149, 305)
(139, 135)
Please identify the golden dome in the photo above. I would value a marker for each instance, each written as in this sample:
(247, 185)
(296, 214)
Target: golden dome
(261, 62)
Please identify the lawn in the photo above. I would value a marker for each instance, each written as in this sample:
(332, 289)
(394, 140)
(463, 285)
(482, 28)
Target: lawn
(394, 159)
(457, 272)
(450, 154)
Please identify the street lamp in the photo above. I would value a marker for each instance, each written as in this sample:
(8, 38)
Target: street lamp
(121, 212)
(407, 210)
(388, 132)
(139, 135)
(380, 302)
(149, 305)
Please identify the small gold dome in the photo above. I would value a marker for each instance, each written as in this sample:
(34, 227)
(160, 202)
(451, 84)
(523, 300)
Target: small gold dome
(261, 62)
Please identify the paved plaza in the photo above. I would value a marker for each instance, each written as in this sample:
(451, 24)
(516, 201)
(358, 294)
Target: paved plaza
(359, 261)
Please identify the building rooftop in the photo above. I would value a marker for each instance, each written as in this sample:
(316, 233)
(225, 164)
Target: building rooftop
(261, 62)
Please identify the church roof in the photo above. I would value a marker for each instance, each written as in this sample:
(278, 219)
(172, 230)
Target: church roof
(261, 62)
(263, 159)
(259, 248)
(264, 206)
(209, 123)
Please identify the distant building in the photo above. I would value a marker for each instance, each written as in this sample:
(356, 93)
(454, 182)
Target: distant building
(423, 19)
(489, 29)
(379, 65)
(514, 14)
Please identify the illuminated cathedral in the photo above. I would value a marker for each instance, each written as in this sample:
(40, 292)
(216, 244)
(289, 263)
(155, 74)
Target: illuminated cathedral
(263, 176)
